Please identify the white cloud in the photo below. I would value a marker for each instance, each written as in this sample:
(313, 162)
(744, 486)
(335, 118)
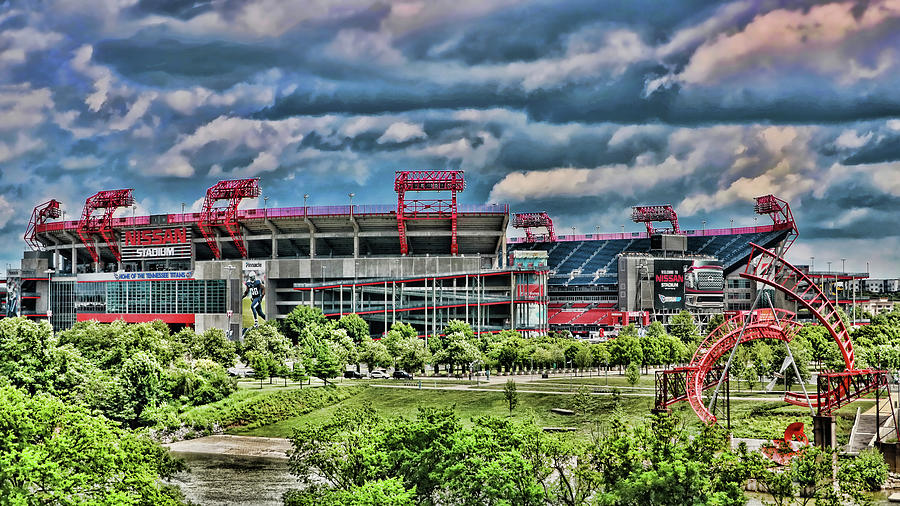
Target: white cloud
(6, 211)
(18, 44)
(364, 46)
(849, 139)
(268, 138)
(23, 107)
(135, 112)
(814, 38)
(80, 162)
(22, 145)
(472, 156)
(402, 132)
(581, 182)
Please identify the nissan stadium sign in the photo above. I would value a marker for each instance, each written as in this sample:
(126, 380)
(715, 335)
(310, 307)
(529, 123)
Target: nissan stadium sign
(156, 243)
(668, 284)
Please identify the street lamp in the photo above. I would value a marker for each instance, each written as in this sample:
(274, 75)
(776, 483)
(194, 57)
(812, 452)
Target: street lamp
(323, 288)
(182, 211)
(732, 222)
(812, 263)
(230, 269)
(704, 225)
(573, 232)
(265, 203)
(49, 272)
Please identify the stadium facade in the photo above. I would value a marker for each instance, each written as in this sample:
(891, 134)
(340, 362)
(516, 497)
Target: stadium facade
(424, 261)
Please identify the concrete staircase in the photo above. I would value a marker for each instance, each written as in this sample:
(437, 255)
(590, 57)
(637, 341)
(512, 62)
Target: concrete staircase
(862, 435)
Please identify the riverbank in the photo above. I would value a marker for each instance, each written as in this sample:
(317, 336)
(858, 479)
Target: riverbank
(235, 446)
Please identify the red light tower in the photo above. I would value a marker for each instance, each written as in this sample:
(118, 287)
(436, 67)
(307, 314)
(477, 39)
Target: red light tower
(532, 220)
(233, 191)
(39, 216)
(431, 209)
(649, 214)
(108, 201)
(780, 212)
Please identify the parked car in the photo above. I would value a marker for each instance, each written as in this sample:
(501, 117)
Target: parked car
(378, 375)
(402, 375)
(352, 375)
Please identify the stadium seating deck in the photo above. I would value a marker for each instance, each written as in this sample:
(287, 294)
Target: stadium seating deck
(592, 262)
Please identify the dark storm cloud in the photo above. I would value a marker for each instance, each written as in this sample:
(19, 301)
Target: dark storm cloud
(883, 150)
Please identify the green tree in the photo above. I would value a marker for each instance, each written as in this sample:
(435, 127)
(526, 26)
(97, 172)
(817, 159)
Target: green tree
(262, 364)
(325, 363)
(299, 320)
(714, 322)
(141, 381)
(507, 352)
(584, 358)
(683, 327)
(374, 354)
(53, 452)
(458, 349)
(633, 373)
(510, 394)
(265, 350)
(213, 345)
(298, 372)
(389, 492)
(625, 349)
(356, 327)
(412, 354)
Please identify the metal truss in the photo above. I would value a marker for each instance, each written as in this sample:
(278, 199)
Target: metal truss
(233, 191)
(39, 216)
(427, 209)
(535, 220)
(108, 201)
(648, 214)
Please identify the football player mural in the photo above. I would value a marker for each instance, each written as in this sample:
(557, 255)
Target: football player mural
(254, 293)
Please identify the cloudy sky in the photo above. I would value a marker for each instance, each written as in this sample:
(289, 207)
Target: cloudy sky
(579, 108)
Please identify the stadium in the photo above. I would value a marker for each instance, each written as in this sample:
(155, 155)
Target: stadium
(424, 260)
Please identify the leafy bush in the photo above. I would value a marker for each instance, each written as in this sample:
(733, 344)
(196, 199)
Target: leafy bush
(868, 470)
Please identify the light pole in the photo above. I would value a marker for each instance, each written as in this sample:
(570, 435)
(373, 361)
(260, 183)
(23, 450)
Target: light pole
(266, 206)
(597, 228)
(812, 263)
(732, 222)
(50, 272)
(704, 225)
(573, 232)
(230, 269)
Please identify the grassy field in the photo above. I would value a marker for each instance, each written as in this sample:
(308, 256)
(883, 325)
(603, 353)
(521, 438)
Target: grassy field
(391, 402)
(752, 419)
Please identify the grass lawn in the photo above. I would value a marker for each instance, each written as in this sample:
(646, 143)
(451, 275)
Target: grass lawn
(749, 419)
(392, 402)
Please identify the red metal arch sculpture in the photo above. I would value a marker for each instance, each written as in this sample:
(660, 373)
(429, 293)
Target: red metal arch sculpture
(763, 324)
(764, 266)
(767, 268)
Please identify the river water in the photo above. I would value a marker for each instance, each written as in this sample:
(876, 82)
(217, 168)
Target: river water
(216, 480)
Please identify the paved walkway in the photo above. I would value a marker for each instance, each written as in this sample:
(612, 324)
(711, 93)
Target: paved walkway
(551, 392)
